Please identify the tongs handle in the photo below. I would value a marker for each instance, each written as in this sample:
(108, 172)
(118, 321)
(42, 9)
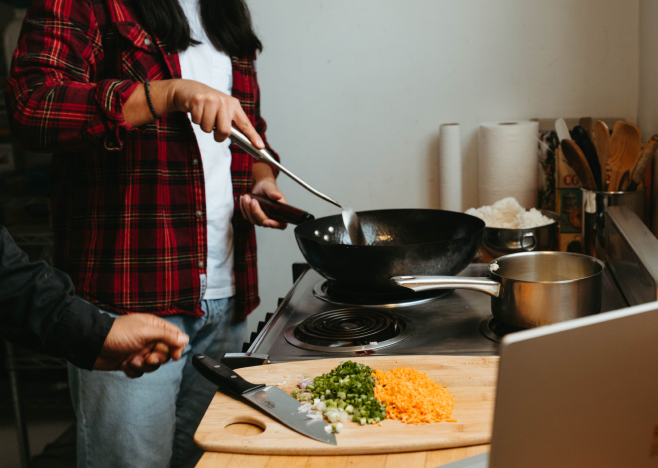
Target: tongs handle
(263, 155)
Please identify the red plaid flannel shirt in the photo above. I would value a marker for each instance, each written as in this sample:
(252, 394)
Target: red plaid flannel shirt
(125, 200)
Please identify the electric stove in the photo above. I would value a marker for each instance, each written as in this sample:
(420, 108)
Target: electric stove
(314, 322)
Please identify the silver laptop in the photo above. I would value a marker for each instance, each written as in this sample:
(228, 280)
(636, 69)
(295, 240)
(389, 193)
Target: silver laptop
(582, 393)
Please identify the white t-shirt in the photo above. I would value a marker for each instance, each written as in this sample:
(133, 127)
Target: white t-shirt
(205, 64)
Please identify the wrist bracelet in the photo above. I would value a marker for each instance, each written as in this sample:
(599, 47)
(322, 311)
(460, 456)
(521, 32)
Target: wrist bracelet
(148, 99)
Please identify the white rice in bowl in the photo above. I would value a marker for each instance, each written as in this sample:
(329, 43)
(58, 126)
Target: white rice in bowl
(509, 214)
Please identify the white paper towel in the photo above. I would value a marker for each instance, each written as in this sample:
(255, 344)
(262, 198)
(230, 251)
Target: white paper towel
(450, 168)
(508, 162)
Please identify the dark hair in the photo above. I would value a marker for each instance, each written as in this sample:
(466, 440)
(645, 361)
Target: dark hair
(227, 24)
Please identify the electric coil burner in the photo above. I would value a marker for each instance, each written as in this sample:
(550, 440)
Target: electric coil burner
(496, 330)
(349, 330)
(336, 293)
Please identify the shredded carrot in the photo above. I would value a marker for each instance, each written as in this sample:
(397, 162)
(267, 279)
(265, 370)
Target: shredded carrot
(412, 397)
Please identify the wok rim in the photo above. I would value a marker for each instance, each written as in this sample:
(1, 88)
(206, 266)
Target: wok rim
(471, 234)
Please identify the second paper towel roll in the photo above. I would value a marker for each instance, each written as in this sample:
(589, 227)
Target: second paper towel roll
(508, 162)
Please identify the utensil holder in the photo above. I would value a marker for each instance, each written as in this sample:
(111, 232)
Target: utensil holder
(593, 216)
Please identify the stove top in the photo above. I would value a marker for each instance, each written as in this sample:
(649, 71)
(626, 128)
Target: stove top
(307, 326)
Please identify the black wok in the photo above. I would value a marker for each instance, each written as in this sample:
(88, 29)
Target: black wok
(399, 243)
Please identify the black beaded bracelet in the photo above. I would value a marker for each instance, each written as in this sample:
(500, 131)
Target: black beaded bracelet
(148, 99)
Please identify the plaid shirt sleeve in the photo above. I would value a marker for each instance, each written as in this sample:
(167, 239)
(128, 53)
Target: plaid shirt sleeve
(53, 102)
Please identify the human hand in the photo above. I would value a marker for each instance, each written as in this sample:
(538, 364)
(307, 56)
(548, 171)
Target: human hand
(139, 343)
(213, 110)
(265, 185)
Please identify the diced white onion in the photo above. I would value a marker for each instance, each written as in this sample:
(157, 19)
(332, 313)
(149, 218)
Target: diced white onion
(306, 407)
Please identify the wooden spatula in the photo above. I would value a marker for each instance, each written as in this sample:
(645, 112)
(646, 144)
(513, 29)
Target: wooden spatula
(578, 163)
(625, 144)
(602, 144)
(636, 175)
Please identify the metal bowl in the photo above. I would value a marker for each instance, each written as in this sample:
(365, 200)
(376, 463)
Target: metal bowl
(502, 241)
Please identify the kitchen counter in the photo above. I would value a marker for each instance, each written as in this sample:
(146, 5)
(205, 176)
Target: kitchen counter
(428, 459)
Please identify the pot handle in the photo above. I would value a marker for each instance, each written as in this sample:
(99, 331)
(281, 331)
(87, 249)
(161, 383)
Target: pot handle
(530, 247)
(280, 211)
(425, 283)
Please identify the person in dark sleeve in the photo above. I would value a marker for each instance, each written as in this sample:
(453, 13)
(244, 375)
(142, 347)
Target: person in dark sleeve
(39, 311)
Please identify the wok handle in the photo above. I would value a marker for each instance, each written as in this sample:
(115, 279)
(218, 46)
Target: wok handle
(280, 211)
(426, 283)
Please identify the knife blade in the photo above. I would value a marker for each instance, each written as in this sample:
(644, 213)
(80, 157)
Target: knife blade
(269, 399)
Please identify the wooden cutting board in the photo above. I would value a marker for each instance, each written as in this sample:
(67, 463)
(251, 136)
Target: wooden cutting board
(472, 381)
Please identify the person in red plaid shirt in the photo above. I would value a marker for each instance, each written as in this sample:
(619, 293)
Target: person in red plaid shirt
(136, 100)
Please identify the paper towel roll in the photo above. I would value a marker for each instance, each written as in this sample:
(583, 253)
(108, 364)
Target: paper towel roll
(508, 162)
(450, 168)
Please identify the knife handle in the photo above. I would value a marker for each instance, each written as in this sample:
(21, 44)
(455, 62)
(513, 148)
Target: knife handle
(221, 375)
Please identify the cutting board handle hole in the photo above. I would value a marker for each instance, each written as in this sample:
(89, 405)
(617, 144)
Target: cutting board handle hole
(244, 426)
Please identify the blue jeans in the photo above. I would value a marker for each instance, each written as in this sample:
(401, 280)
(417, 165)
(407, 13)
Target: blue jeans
(150, 421)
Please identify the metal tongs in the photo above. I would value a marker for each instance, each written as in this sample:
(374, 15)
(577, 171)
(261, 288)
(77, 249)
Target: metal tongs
(350, 219)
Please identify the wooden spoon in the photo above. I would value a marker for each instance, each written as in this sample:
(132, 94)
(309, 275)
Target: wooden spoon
(602, 144)
(625, 145)
(578, 163)
(636, 175)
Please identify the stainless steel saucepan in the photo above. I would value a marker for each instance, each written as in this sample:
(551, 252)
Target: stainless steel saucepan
(530, 289)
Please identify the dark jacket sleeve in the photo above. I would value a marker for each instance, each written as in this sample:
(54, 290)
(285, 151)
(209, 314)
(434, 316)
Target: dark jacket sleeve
(39, 310)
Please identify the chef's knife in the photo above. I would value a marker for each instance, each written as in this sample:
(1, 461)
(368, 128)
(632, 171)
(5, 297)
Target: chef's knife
(269, 399)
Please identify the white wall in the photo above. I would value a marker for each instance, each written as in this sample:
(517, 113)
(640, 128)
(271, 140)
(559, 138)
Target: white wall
(354, 91)
(648, 93)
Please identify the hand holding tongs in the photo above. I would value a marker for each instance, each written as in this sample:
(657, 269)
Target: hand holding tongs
(243, 142)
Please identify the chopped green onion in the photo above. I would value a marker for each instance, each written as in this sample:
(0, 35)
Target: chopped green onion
(346, 392)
